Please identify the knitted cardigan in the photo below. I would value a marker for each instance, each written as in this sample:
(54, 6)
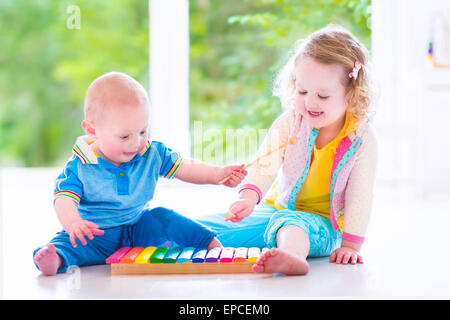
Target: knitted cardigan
(351, 178)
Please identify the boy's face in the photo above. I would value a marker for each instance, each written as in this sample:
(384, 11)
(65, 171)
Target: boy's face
(320, 96)
(121, 133)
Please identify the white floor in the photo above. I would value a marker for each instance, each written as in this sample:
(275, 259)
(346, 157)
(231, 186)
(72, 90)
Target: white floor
(406, 252)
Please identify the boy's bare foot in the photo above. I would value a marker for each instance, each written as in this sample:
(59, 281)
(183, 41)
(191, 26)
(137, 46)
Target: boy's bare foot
(279, 260)
(214, 243)
(47, 260)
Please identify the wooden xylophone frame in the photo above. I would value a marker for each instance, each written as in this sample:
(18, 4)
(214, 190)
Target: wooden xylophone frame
(182, 268)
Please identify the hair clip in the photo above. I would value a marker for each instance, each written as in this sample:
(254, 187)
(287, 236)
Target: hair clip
(356, 68)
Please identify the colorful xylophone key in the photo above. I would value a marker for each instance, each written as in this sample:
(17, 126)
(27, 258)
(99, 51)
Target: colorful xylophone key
(227, 255)
(131, 255)
(172, 255)
(118, 255)
(159, 254)
(213, 255)
(144, 256)
(253, 254)
(186, 255)
(240, 255)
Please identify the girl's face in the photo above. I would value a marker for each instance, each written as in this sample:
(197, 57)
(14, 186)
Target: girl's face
(121, 133)
(320, 96)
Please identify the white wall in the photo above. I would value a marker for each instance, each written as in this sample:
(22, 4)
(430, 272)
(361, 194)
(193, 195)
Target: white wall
(414, 106)
(169, 73)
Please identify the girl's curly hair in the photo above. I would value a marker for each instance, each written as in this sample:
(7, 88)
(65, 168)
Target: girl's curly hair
(331, 45)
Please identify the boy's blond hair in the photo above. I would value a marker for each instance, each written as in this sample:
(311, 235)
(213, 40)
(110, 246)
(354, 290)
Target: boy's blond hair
(331, 45)
(113, 89)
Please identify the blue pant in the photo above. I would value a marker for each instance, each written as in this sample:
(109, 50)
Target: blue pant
(155, 227)
(260, 229)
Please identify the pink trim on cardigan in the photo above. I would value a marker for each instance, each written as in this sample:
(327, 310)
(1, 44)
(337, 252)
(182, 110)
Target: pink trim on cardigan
(341, 150)
(352, 237)
(254, 188)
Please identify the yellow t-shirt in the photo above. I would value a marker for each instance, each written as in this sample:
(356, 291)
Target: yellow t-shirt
(314, 195)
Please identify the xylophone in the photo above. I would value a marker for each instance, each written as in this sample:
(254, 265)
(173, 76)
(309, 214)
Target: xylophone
(165, 260)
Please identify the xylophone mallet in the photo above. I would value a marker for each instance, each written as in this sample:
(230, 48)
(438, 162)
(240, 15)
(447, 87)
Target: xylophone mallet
(292, 140)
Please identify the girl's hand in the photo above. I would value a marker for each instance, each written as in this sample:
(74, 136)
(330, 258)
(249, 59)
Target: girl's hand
(240, 209)
(237, 174)
(345, 255)
(81, 228)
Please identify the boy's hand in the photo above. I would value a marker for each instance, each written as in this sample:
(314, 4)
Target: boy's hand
(236, 174)
(240, 209)
(81, 228)
(345, 255)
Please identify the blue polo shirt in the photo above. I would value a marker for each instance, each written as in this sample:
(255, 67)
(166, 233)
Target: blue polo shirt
(112, 196)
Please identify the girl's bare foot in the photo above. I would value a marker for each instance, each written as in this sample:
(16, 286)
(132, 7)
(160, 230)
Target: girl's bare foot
(279, 260)
(47, 260)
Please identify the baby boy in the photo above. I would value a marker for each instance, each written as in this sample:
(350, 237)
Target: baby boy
(104, 190)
